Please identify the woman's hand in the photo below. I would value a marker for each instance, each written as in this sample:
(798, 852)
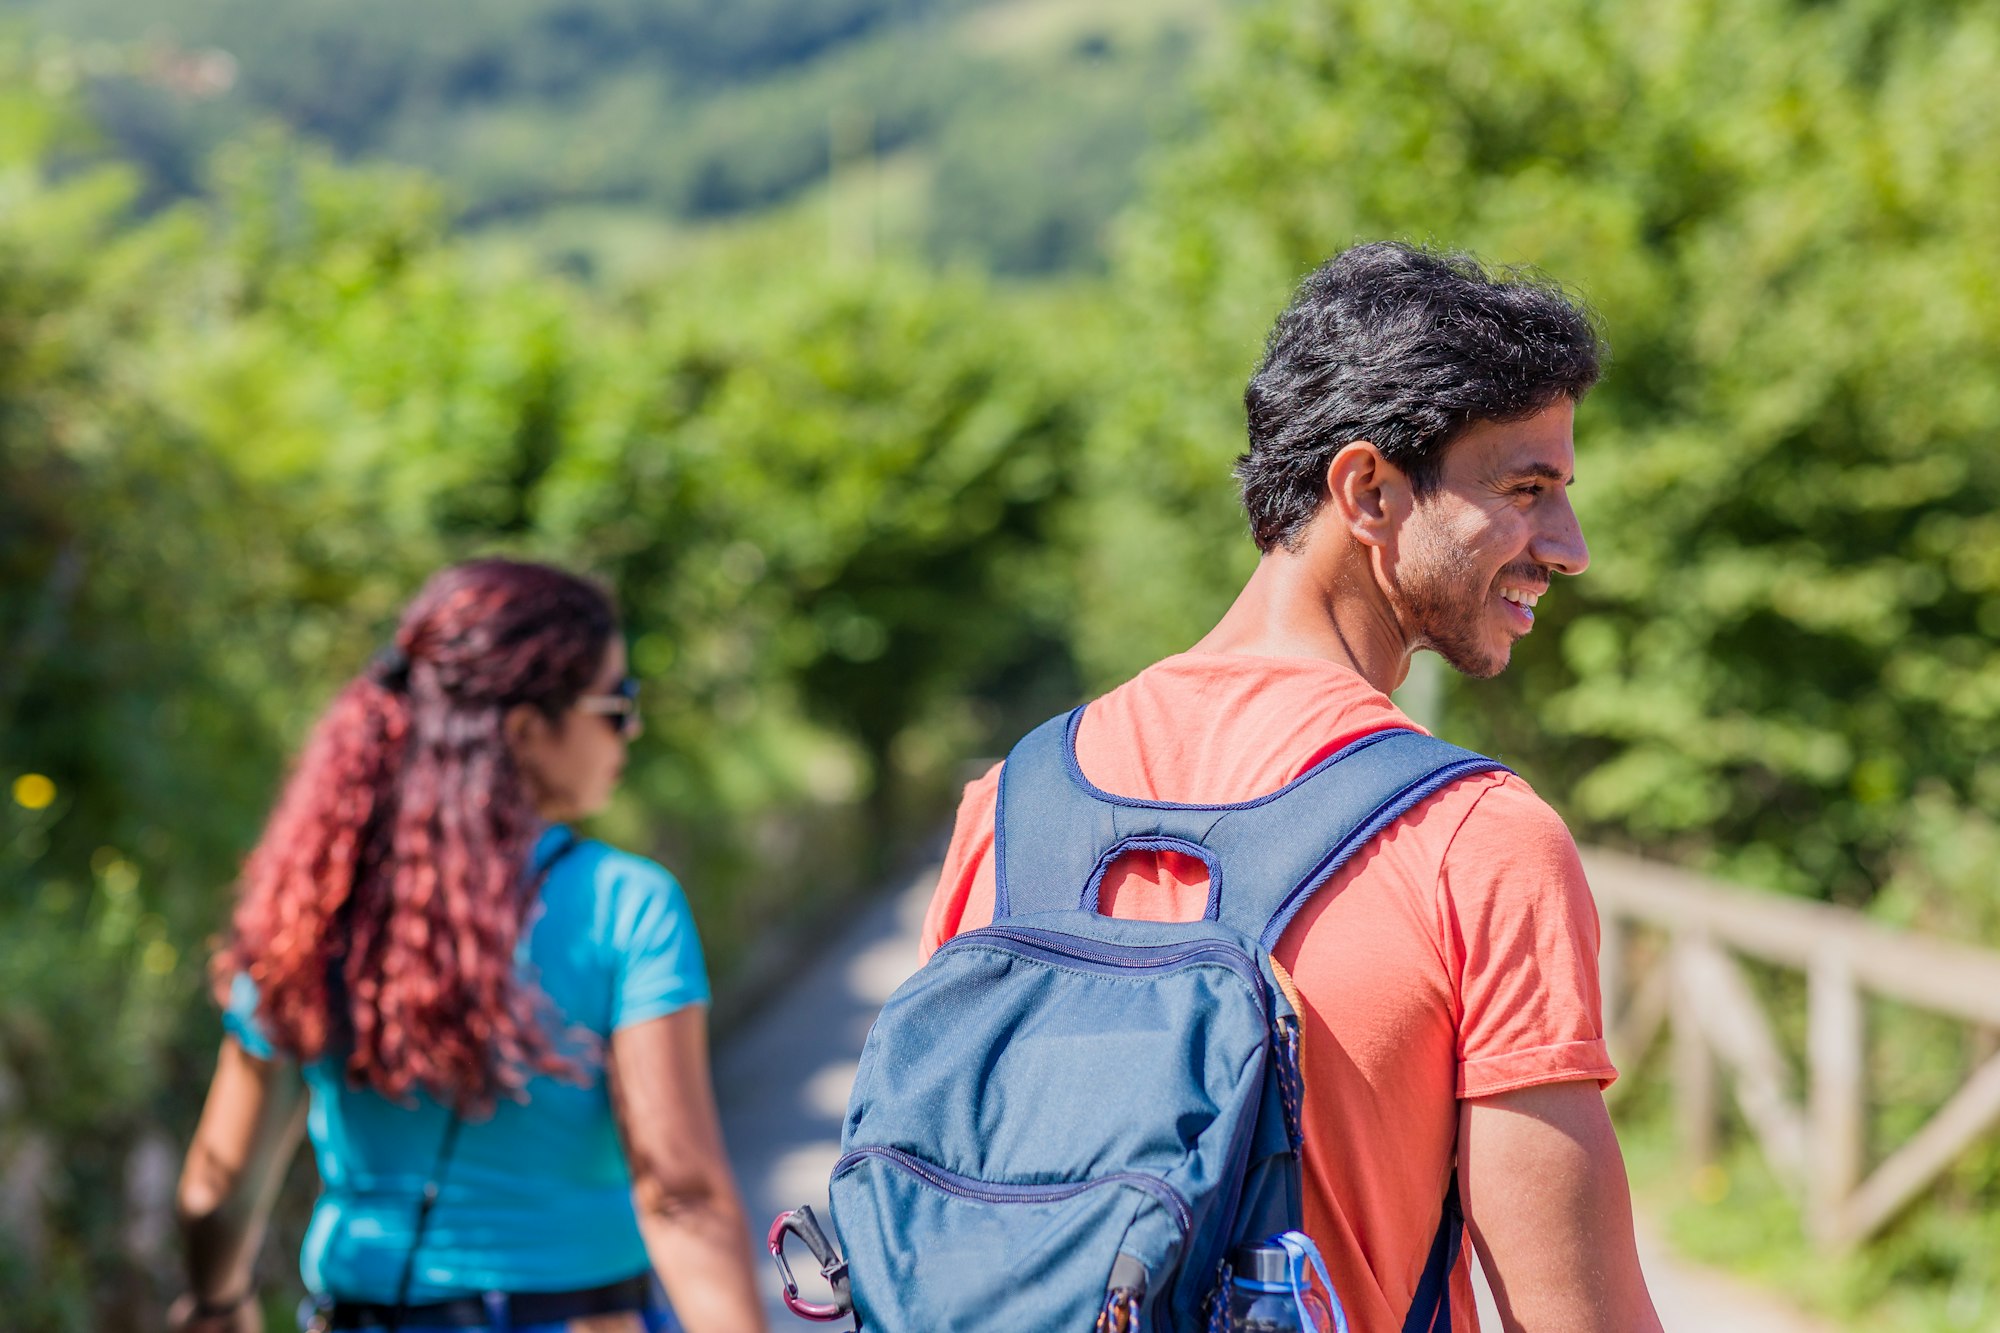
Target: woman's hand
(245, 1317)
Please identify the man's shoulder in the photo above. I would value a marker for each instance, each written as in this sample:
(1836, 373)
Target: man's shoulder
(1504, 804)
(1503, 842)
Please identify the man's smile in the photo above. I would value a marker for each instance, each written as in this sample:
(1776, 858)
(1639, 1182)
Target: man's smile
(1520, 593)
(1520, 608)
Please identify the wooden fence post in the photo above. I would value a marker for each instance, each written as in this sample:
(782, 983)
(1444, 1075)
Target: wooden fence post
(1837, 1057)
(1696, 1106)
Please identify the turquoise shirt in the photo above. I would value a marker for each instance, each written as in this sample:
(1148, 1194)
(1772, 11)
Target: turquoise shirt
(538, 1197)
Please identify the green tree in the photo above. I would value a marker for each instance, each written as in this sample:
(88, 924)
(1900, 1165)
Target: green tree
(1777, 208)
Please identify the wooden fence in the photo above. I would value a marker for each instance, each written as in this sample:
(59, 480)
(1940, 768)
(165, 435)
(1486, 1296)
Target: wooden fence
(1672, 941)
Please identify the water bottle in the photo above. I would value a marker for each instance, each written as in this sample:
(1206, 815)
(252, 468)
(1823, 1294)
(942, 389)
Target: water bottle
(1264, 1298)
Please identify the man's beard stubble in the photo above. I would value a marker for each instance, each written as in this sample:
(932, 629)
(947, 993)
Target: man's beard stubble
(1445, 604)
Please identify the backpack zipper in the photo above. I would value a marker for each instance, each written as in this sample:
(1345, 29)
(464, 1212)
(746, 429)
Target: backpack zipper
(1054, 946)
(984, 1191)
(1058, 947)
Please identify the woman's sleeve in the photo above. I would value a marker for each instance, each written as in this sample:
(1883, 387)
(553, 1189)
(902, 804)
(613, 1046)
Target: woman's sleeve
(660, 966)
(239, 1019)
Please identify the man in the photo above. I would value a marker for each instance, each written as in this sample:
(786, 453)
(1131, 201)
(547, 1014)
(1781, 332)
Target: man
(1410, 446)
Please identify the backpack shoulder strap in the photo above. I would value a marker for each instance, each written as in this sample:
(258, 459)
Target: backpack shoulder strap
(1055, 834)
(1048, 829)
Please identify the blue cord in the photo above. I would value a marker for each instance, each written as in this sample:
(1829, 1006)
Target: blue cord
(1299, 1248)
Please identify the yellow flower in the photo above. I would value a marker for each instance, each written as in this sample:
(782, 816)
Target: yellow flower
(32, 791)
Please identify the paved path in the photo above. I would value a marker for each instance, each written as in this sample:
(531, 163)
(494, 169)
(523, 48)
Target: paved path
(783, 1083)
(783, 1079)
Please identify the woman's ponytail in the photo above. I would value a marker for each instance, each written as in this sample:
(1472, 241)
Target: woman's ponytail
(396, 859)
(326, 834)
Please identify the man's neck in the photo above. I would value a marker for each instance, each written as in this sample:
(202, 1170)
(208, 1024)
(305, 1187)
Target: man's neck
(1296, 605)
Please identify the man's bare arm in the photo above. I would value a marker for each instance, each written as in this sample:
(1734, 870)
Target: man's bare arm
(1544, 1188)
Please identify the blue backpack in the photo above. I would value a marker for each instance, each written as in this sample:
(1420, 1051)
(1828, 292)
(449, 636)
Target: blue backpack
(1065, 1122)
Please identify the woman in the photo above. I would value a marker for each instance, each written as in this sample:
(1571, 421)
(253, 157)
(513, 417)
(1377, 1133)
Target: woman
(466, 1004)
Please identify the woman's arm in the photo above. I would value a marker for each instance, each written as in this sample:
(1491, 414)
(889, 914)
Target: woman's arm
(250, 1127)
(689, 1210)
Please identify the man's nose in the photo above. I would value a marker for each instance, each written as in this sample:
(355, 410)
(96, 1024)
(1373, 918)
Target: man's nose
(1560, 545)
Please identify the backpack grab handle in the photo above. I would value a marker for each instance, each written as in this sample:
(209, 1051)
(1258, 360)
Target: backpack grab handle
(800, 1222)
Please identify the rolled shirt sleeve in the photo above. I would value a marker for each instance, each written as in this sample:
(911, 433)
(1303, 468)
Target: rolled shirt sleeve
(1523, 934)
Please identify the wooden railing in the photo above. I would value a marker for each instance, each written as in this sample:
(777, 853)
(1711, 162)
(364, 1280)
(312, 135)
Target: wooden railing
(1672, 941)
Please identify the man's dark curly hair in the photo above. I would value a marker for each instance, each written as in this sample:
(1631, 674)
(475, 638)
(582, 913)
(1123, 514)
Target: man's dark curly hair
(1404, 347)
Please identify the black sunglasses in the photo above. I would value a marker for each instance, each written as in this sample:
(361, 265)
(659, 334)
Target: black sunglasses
(620, 708)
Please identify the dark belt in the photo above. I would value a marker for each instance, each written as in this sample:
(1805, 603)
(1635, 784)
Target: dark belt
(516, 1307)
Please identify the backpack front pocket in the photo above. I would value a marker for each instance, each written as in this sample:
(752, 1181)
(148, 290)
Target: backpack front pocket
(996, 1255)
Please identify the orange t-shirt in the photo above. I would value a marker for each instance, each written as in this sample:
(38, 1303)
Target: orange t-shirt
(1455, 956)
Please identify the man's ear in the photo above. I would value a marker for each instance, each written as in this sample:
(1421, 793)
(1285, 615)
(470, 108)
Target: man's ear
(1368, 494)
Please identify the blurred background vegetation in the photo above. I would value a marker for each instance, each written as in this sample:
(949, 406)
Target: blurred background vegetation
(886, 356)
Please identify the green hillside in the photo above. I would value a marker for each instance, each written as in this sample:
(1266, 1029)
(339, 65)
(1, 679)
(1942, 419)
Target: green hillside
(1013, 129)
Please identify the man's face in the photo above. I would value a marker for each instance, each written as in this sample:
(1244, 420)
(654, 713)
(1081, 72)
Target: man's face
(1476, 552)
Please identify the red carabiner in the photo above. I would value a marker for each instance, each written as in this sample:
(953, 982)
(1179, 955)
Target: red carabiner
(800, 1222)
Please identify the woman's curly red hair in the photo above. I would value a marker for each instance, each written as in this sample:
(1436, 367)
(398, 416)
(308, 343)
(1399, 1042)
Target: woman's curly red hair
(394, 869)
